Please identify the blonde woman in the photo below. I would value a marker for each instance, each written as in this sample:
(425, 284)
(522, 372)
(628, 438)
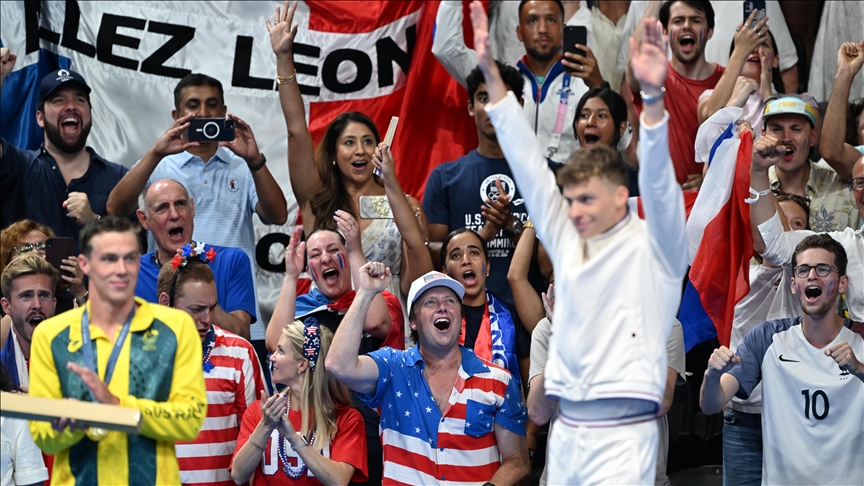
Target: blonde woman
(308, 434)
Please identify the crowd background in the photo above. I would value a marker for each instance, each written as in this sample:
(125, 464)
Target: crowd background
(114, 46)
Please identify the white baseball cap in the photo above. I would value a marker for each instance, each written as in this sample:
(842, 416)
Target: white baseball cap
(430, 280)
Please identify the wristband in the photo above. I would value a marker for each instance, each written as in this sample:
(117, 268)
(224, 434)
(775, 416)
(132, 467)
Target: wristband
(286, 79)
(756, 195)
(648, 99)
(259, 165)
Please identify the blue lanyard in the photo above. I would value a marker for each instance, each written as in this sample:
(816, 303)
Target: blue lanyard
(87, 346)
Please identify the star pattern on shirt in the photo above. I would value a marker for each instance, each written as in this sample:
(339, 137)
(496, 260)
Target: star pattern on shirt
(398, 394)
(428, 409)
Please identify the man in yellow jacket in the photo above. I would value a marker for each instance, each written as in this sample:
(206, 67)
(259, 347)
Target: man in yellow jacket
(121, 351)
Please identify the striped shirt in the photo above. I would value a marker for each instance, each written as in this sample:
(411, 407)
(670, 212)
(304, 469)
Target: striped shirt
(423, 447)
(225, 199)
(234, 383)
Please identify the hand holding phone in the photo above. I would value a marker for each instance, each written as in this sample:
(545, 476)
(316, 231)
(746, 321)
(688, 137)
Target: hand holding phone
(575, 34)
(211, 130)
(750, 6)
(56, 249)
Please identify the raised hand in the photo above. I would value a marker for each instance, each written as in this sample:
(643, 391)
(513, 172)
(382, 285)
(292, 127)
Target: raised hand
(272, 410)
(92, 381)
(649, 60)
(283, 30)
(374, 276)
(482, 42)
(766, 59)
(244, 144)
(77, 207)
(748, 39)
(295, 255)
(721, 361)
(350, 230)
(744, 87)
(76, 281)
(172, 141)
(549, 301)
(850, 57)
(845, 358)
(7, 63)
(497, 211)
(383, 161)
(767, 151)
(584, 67)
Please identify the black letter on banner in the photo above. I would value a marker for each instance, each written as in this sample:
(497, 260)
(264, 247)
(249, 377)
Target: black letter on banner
(108, 38)
(242, 62)
(262, 251)
(331, 66)
(70, 30)
(389, 52)
(180, 36)
(32, 31)
(308, 69)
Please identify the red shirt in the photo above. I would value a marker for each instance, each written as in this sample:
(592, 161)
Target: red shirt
(348, 446)
(682, 98)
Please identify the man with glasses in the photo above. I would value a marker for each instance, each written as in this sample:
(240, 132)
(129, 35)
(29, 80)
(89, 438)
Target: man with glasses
(812, 380)
(777, 246)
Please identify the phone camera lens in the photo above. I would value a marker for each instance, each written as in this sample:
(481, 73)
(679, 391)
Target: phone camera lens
(229, 124)
(211, 130)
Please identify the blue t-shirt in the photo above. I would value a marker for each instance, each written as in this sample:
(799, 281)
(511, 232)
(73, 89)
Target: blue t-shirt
(455, 192)
(32, 187)
(232, 274)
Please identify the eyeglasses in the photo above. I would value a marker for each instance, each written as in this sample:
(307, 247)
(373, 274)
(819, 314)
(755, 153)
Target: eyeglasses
(857, 184)
(822, 269)
(28, 247)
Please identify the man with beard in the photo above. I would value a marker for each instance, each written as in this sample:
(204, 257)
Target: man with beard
(688, 25)
(232, 373)
(64, 184)
(478, 190)
(812, 381)
(168, 212)
(550, 92)
(28, 289)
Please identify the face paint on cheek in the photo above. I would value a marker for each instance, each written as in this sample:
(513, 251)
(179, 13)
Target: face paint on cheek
(313, 273)
(831, 289)
(798, 289)
(483, 268)
(701, 36)
(806, 143)
(341, 259)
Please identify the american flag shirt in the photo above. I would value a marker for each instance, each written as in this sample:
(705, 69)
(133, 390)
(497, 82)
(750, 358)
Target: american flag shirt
(423, 447)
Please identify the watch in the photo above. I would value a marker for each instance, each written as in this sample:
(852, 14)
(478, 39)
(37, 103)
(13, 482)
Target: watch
(515, 229)
(259, 165)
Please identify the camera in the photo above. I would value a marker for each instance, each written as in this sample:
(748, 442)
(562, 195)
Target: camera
(210, 130)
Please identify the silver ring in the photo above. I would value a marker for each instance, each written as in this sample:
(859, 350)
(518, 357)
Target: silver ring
(761, 34)
(580, 67)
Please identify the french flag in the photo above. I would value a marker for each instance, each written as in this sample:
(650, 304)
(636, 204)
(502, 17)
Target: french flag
(718, 232)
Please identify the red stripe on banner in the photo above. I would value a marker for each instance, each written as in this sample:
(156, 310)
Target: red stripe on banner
(357, 17)
(721, 268)
(434, 125)
(379, 109)
(203, 463)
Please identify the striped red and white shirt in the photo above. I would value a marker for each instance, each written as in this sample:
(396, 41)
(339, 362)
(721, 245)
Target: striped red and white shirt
(459, 448)
(235, 382)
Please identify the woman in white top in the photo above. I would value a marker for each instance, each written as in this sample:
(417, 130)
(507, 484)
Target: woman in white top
(751, 77)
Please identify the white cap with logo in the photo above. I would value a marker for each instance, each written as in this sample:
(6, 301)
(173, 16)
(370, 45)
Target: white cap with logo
(430, 280)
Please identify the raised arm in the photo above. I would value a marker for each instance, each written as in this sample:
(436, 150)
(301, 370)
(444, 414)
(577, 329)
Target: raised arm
(832, 146)
(284, 311)
(448, 45)
(378, 320)
(718, 387)
(731, 82)
(651, 12)
(417, 255)
(528, 303)
(662, 201)
(123, 199)
(302, 171)
(359, 373)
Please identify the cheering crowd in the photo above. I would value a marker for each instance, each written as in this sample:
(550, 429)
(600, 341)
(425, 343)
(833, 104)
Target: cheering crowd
(530, 301)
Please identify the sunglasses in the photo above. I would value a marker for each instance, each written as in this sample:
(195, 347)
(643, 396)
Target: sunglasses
(28, 247)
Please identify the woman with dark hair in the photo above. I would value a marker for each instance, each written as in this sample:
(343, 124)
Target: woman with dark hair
(335, 175)
(751, 77)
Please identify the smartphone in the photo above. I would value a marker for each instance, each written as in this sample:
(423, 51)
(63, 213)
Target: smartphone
(58, 248)
(575, 34)
(750, 6)
(375, 207)
(211, 130)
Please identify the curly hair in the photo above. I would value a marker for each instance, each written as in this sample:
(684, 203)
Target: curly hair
(12, 234)
(332, 194)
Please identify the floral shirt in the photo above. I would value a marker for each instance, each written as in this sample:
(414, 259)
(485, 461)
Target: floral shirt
(832, 204)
